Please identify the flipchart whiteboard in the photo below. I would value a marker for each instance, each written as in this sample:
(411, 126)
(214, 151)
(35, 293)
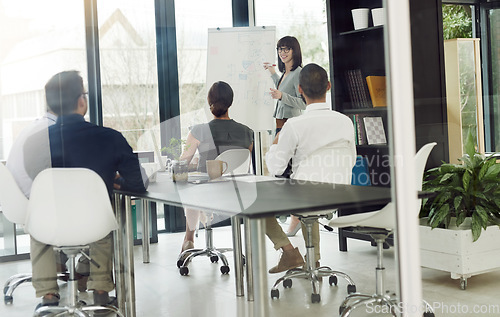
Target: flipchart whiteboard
(236, 56)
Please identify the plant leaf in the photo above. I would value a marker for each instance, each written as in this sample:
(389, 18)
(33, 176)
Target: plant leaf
(470, 148)
(476, 226)
(439, 216)
(483, 214)
(466, 180)
(457, 202)
(493, 171)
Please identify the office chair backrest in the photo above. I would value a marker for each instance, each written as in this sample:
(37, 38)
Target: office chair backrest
(420, 161)
(12, 200)
(238, 161)
(330, 164)
(69, 207)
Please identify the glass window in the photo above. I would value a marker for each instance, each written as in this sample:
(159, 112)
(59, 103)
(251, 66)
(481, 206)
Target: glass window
(494, 38)
(129, 81)
(193, 19)
(39, 43)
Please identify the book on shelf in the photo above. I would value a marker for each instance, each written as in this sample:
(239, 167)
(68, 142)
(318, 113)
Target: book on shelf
(377, 89)
(359, 129)
(374, 129)
(357, 88)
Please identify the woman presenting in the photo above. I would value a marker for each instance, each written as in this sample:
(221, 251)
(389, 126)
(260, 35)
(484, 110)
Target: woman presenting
(290, 102)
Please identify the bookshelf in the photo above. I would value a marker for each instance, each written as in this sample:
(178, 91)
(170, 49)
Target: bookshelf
(363, 50)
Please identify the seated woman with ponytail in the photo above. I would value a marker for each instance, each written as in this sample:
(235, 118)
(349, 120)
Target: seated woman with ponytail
(212, 138)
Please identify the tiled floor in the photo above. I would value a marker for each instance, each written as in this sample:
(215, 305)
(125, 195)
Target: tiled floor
(161, 291)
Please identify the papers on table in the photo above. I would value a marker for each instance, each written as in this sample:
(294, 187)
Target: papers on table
(254, 178)
(198, 178)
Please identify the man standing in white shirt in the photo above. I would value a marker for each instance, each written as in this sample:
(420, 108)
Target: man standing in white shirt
(317, 127)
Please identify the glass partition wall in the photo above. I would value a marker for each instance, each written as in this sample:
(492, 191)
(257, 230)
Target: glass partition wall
(38, 39)
(45, 40)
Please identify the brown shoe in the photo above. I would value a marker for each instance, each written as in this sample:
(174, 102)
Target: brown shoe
(82, 282)
(289, 260)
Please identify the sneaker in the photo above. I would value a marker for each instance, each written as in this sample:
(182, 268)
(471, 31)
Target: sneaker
(48, 300)
(289, 260)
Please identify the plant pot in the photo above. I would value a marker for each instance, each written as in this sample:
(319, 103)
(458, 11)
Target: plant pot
(466, 225)
(453, 250)
(180, 171)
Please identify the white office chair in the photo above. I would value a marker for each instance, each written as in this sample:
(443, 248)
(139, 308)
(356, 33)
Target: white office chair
(239, 163)
(379, 225)
(14, 204)
(330, 164)
(69, 208)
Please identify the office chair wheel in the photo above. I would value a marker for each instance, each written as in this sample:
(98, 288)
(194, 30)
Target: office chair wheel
(180, 263)
(275, 293)
(463, 283)
(224, 269)
(333, 280)
(184, 270)
(287, 283)
(351, 289)
(8, 300)
(315, 298)
(214, 259)
(341, 309)
(429, 314)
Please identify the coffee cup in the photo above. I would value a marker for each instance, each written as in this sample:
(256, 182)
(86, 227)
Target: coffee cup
(215, 168)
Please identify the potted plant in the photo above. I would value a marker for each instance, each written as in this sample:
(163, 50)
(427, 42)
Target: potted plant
(470, 189)
(466, 192)
(179, 167)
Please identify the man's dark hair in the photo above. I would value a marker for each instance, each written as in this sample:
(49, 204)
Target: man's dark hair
(293, 43)
(314, 81)
(220, 98)
(62, 92)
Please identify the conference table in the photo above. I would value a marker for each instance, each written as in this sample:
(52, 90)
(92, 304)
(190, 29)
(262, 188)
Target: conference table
(243, 197)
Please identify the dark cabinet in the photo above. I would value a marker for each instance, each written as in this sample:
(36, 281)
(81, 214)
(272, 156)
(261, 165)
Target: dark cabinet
(362, 51)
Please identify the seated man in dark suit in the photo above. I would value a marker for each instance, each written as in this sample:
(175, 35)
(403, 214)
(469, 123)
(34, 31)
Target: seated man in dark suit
(77, 143)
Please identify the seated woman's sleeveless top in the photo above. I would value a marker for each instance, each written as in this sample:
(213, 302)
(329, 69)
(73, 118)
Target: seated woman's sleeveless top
(218, 136)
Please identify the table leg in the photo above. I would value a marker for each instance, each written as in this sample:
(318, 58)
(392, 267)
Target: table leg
(249, 264)
(129, 260)
(118, 236)
(145, 230)
(238, 255)
(261, 298)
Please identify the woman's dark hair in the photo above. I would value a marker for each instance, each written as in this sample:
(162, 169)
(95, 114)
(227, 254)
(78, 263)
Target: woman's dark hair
(62, 92)
(291, 42)
(220, 98)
